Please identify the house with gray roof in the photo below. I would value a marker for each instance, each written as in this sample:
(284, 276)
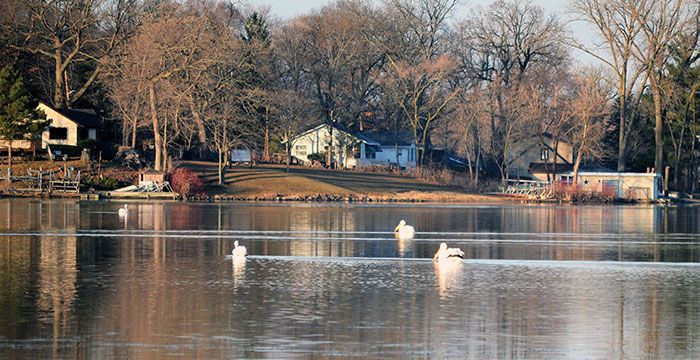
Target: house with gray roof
(354, 149)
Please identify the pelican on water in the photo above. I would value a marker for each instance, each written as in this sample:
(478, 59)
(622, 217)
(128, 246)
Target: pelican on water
(404, 231)
(445, 253)
(238, 250)
(124, 211)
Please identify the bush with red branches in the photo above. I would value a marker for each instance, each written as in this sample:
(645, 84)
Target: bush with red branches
(186, 182)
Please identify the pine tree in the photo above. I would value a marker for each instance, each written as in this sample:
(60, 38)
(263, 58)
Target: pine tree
(19, 118)
(256, 40)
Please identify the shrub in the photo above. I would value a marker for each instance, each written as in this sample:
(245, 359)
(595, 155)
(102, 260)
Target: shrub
(317, 157)
(186, 182)
(608, 193)
(105, 183)
(87, 144)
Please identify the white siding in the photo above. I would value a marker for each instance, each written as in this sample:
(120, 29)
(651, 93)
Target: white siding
(59, 121)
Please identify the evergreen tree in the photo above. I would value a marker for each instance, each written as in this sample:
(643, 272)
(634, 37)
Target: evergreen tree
(19, 118)
(257, 74)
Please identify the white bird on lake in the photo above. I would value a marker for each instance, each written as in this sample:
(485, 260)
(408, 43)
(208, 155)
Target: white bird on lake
(404, 231)
(445, 253)
(238, 250)
(124, 211)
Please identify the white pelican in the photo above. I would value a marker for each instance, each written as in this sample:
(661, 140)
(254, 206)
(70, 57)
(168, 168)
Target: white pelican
(124, 211)
(238, 250)
(445, 253)
(404, 231)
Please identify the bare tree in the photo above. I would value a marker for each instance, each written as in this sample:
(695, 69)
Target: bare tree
(291, 113)
(617, 25)
(75, 36)
(176, 43)
(589, 108)
(423, 95)
(339, 64)
(506, 50)
(414, 37)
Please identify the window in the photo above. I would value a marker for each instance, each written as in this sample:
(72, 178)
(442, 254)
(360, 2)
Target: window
(356, 152)
(370, 153)
(544, 154)
(300, 149)
(58, 133)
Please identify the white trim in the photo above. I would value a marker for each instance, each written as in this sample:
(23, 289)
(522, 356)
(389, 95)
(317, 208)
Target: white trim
(611, 174)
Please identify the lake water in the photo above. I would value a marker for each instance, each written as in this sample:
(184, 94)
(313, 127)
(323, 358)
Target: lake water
(330, 280)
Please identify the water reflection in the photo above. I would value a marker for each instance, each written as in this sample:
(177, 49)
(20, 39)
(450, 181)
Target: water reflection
(448, 274)
(238, 267)
(75, 282)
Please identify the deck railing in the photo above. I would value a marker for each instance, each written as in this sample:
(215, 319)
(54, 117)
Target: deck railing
(530, 188)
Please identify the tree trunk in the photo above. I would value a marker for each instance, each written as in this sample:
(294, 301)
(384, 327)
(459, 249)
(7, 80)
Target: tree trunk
(658, 132)
(59, 100)
(288, 150)
(156, 127)
(622, 143)
(125, 133)
(133, 136)
(201, 132)
(266, 144)
(221, 166)
(165, 164)
(330, 148)
(9, 153)
(577, 163)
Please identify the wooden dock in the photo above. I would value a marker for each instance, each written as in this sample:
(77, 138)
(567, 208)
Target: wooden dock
(140, 195)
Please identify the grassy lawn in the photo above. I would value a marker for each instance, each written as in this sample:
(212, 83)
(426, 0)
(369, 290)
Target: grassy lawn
(272, 180)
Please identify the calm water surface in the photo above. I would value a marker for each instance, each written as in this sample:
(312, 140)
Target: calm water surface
(324, 281)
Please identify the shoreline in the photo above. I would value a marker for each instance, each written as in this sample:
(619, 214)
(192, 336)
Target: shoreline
(413, 197)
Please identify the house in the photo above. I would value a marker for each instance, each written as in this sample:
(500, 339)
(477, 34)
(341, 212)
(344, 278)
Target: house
(68, 126)
(354, 149)
(539, 158)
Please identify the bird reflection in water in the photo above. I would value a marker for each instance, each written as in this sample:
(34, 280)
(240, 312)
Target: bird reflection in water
(238, 270)
(405, 247)
(448, 274)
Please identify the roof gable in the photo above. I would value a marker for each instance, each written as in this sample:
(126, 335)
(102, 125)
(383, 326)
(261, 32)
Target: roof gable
(87, 118)
(359, 137)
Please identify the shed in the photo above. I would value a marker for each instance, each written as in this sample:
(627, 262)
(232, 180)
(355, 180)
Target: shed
(635, 186)
(151, 176)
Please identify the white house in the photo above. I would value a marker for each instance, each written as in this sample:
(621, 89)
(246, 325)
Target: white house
(68, 126)
(351, 149)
